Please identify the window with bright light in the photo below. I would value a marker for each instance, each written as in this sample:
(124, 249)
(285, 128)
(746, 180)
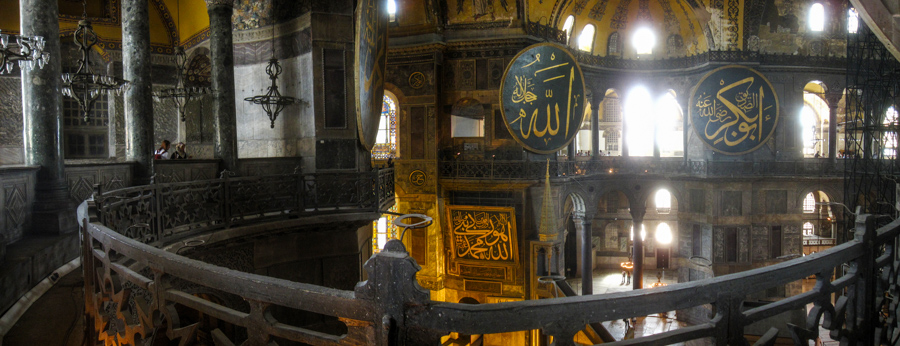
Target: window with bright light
(890, 133)
(814, 125)
(664, 234)
(808, 229)
(852, 21)
(568, 26)
(817, 17)
(383, 230)
(586, 39)
(386, 139)
(643, 41)
(669, 126)
(639, 122)
(809, 204)
(612, 109)
(392, 10)
(663, 200)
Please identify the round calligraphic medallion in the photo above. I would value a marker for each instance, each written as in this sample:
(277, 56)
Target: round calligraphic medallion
(371, 58)
(542, 93)
(417, 177)
(734, 110)
(417, 80)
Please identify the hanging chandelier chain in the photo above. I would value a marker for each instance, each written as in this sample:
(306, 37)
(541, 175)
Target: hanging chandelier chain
(84, 85)
(181, 95)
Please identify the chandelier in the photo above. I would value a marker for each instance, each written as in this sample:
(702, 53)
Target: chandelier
(180, 94)
(27, 51)
(272, 102)
(84, 85)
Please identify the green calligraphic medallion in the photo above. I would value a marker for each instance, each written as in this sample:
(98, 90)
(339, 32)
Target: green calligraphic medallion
(371, 57)
(542, 94)
(734, 110)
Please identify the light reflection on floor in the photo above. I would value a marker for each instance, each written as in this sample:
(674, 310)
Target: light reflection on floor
(610, 281)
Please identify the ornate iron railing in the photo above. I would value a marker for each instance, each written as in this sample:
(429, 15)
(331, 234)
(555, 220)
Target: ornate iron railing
(154, 213)
(616, 165)
(130, 296)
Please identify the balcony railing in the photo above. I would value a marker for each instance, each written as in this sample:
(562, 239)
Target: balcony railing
(156, 212)
(130, 293)
(489, 169)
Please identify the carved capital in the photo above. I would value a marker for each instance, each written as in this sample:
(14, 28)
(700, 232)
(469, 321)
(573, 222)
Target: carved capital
(215, 3)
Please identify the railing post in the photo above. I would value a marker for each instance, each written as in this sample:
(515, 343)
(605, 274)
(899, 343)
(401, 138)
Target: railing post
(157, 209)
(377, 190)
(865, 288)
(87, 272)
(393, 288)
(226, 198)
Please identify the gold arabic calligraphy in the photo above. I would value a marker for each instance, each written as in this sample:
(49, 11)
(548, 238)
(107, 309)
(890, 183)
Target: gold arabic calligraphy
(733, 121)
(482, 235)
(523, 94)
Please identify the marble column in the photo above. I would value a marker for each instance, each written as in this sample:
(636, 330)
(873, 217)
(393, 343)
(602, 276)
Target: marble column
(222, 61)
(595, 126)
(833, 98)
(637, 222)
(587, 277)
(136, 67)
(53, 213)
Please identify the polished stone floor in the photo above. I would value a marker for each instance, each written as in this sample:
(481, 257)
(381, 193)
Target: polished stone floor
(55, 318)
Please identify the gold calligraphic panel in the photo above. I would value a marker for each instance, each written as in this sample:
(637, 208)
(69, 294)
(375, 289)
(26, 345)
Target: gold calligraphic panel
(734, 110)
(542, 94)
(483, 233)
(371, 59)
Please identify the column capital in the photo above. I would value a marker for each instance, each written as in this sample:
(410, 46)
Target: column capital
(637, 214)
(216, 3)
(833, 98)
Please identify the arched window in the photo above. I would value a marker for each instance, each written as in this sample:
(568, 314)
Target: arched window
(852, 21)
(808, 229)
(639, 122)
(386, 141)
(663, 200)
(814, 121)
(643, 41)
(809, 204)
(568, 26)
(583, 138)
(612, 109)
(817, 17)
(889, 138)
(392, 10)
(669, 126)
(612, 45)
(586, 39)
(664, 234)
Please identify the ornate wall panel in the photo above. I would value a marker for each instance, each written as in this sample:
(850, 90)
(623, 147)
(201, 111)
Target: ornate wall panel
(16, 199)
(759, 242)
(82, 178)
(483, 242)
(598, 10)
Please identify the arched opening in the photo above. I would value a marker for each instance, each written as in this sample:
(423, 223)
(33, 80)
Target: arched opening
(574, 216)
(819, 223)
(386, 140)
(392, 10)
(669, 126)
(612, 45)
(639, 122)
(852, 21)
(663, 201)
(814, 120)
(643, 41)
(583, 138)
(586, 38)
(567, 27)
(611, 124)
(817, 17)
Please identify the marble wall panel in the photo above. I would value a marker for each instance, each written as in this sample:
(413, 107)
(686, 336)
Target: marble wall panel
(10, 112)
(165, 120)
(759, 243)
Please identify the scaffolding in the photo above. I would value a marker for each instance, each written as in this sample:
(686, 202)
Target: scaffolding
(870, 136)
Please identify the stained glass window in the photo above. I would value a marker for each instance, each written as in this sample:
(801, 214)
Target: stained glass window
(383, 230)
(386, 141)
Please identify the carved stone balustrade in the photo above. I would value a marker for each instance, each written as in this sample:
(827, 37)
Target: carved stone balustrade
(16, 199)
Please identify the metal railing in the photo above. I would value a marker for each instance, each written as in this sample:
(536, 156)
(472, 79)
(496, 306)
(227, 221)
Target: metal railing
(153, 213)
(130, 296)
(496, 169)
